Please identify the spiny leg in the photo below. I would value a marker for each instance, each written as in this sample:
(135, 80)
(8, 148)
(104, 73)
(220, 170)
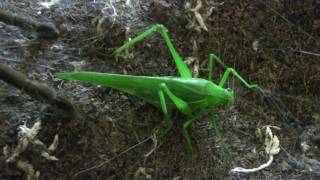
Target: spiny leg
(182, 67)
(234, 72)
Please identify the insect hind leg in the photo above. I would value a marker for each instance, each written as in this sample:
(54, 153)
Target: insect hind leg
(182, 67)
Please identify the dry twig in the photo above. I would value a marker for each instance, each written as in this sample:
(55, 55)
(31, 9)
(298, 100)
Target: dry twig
(36, 90)
(44, 30)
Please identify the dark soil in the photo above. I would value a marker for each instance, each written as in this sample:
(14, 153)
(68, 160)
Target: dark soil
(274, 44)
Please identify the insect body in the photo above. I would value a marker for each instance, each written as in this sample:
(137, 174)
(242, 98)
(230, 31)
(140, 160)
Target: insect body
(187, 94)
(197, 93)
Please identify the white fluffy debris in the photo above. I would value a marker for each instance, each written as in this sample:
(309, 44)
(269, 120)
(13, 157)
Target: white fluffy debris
(271, 142)
(29, 133)
(244, 170)
(49, 4)
(28, 136)
(271, 148)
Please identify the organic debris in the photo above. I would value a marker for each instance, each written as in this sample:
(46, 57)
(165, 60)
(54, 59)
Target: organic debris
(27, 139)
(49, 4)
(197, 17)
(272, 147)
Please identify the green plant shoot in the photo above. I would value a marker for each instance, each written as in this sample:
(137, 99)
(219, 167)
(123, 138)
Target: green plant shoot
(187, 94)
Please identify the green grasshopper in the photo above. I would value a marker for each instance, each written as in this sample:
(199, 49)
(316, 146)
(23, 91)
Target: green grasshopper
(187, 94)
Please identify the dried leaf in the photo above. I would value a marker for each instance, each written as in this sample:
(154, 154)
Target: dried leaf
(200, 21)
(271, 143)
(48, 156)
(35, 130)
(142, 170)
(22, 146)
(26, 168)
(54, 144)
(5, 151)
(255, 45)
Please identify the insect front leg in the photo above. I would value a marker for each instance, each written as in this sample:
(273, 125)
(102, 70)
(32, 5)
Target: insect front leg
(218, 134)
(230, 71)
(214, 58)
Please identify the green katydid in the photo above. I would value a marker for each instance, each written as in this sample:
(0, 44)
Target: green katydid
(187, 94)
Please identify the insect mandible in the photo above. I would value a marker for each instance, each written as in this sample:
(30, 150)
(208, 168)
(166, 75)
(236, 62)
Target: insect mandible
(187, 94)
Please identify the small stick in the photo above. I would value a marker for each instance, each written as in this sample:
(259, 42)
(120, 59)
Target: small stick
(36, 90)
(113, 158)
(44, 30)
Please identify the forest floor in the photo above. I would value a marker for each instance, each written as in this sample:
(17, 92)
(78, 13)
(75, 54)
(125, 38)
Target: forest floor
(274, 44)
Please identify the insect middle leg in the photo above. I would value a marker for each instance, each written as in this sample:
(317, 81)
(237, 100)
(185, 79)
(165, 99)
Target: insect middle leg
(181, 106)
(179, 103)
(165, 111)
(185, 133)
